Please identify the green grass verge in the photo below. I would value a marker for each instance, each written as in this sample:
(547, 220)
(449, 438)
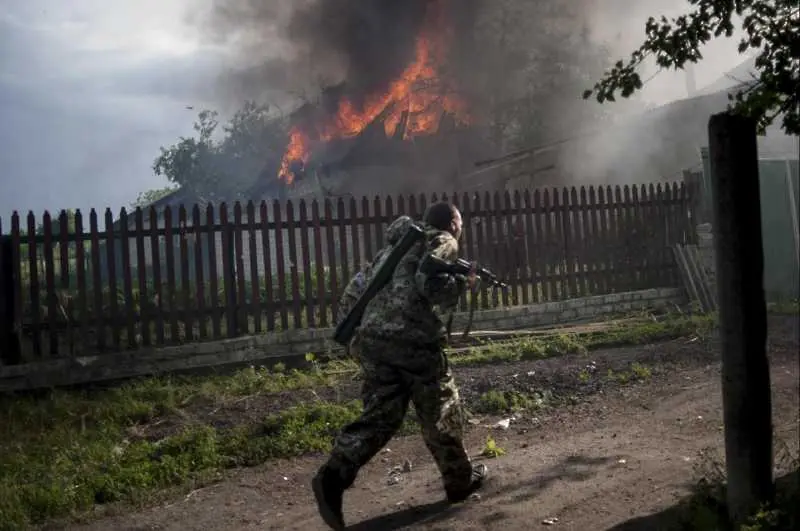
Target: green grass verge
(623, 334)
(65, 452)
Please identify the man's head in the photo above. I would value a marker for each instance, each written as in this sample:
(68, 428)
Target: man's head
(444, 216)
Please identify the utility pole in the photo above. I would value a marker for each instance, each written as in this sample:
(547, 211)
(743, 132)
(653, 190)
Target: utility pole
(747, 403)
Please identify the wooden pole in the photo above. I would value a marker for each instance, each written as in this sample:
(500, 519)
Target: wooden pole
(742, 312)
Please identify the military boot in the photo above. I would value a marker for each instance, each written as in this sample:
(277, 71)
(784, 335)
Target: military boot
(329, 492)
(479, 474)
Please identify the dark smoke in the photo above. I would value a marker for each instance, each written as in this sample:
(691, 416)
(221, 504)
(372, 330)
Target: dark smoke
(363, 43)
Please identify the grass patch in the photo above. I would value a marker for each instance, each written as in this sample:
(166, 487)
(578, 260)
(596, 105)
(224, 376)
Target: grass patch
(495, 402)
(540, 347)
(70, 471)
(66, 451)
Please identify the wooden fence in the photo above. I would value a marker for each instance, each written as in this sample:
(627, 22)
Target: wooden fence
(69, 290)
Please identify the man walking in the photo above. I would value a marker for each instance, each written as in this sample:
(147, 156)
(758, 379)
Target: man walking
(401, 347)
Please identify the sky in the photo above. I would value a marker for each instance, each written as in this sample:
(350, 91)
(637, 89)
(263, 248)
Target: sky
(90, 89)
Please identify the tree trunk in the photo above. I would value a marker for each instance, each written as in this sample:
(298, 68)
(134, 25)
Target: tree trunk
(743, 319)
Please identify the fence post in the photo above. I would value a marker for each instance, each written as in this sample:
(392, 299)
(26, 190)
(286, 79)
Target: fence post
(739, 257)
(10, 352)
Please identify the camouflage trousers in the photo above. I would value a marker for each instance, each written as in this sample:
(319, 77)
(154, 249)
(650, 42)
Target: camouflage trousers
(421, 378)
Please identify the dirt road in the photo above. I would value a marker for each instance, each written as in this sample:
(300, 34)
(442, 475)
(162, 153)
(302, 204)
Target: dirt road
(621, 451)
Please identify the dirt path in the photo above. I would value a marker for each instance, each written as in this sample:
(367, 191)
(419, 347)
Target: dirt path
(622, 452)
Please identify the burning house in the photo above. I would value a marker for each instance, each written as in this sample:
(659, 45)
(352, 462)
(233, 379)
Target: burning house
(403, 135)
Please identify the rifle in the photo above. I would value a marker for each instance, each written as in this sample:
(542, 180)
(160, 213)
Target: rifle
(381, 276)
(430, 265)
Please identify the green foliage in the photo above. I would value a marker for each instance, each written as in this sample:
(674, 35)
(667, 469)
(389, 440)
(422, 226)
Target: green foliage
(770, 26)
(491, 449)
(145, 199)
(222, 169)
(497, 402)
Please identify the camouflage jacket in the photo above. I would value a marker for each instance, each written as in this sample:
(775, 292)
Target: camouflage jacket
(358, 283)
(404, 311)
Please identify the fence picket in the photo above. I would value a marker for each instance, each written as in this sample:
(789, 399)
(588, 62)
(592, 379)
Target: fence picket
(199, 273)
(548, 244)
(127, 281)
(186, 315)
(255, 276)
(308, 298)
(242, 317)
(280, 265)
(213, 274)
(322, 306)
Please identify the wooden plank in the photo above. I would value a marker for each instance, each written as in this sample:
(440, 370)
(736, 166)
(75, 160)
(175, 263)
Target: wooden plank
(228, 272)
(379, 230)
(255, 277)
(294, 276)
(97, 284)
(199, 274)
(213, 276)
(512, 264)
(141, 270)
(80, 260)
(688, 278)
(592, 236)
(332, 262)
(51, 296)
(266, 249)
(64, 277)
(111, 270)
(533, 245)
(319, 263)
(369, 251)
(635, 240)
(127, 281)
(280, 266)
(501, 249)
(356, 225)
(186, 281)
(158, 287)
(305, 245)
(169, 259)
(481, 253)
(242, 318)
(342, 223)
(467, 251)
(521, 236)
(492, 239)
(12, 347)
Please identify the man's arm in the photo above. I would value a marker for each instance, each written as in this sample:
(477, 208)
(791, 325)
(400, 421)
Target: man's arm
(441, 289)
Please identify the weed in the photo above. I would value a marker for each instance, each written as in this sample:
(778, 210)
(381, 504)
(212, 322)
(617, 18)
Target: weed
(491, 449)
(496, 402)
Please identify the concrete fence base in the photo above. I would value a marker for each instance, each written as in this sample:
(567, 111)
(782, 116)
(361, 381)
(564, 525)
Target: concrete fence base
(292, 345)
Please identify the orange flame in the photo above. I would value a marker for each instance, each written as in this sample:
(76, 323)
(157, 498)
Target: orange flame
(417, 90)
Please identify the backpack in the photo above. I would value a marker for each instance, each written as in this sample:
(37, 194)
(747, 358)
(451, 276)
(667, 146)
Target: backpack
(358, 283)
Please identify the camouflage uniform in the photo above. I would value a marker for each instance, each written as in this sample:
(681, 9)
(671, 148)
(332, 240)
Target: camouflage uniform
(353, 290)
(401, 341)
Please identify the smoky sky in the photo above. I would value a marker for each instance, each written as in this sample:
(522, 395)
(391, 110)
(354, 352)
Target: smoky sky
(361, 43)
